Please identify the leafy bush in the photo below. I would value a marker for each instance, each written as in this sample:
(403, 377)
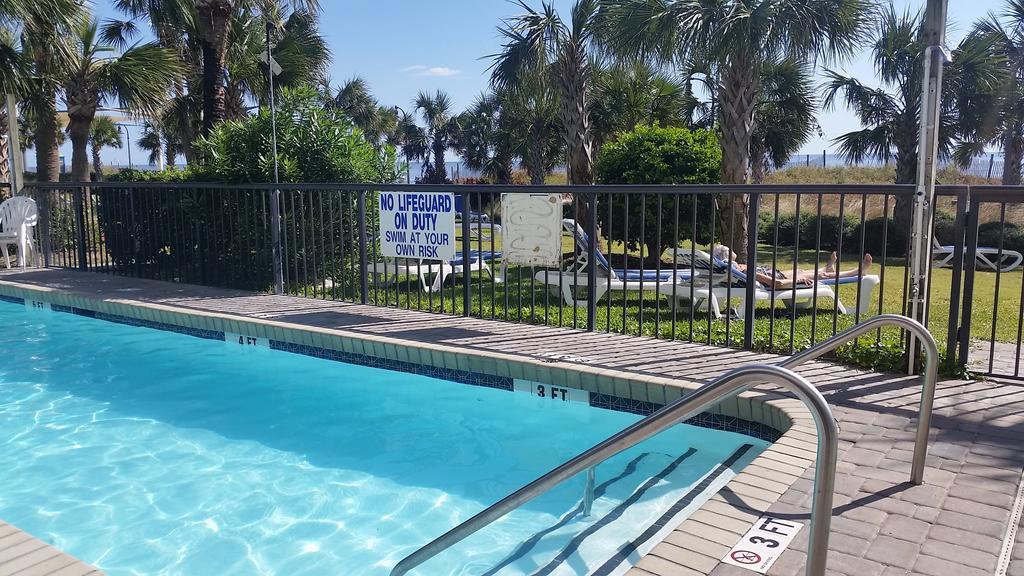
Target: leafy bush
(653, 155)
(220, 236)
(1013, 236)
(314, 145)
(832, 230)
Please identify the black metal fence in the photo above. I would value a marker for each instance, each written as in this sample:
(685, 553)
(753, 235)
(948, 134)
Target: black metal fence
(637, 260)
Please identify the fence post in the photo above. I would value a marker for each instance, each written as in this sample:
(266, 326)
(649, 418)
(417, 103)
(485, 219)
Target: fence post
(749, 302)
(592, 261)
(79, 205)
(467, 268)
(42, 198)
(823, 161)
(133, 236)
(991, 161)
(364, 281)
(275, 240)
(959, 229)
(970, 262)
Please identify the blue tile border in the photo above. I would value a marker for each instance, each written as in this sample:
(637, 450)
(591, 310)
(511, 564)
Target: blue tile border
(12, 299)
(460, 376)
(704, 420)
(597, 400)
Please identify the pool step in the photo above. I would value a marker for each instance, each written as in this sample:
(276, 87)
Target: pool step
(623, 524)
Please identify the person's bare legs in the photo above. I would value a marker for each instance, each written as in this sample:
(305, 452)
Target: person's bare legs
(865, 264)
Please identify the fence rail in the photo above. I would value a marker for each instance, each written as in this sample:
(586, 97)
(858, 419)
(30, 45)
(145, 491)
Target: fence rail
(635, 258)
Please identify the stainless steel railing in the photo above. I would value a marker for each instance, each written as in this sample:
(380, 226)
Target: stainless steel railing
(726, 386)
(930, 377)
(691, 404)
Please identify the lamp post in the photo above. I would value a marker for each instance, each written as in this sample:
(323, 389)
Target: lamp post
(275, 195)
(128, 138)
(408, 177)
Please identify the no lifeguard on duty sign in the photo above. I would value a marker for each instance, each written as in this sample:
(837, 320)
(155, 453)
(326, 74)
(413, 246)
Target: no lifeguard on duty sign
(418, 225)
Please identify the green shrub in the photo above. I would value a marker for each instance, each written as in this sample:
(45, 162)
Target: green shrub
(314, 145)
(945, 229)
(653, 155)
(1013, 236)
(219, 236)
(831, 231)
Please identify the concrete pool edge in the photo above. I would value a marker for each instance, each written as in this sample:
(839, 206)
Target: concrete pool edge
(694, 547)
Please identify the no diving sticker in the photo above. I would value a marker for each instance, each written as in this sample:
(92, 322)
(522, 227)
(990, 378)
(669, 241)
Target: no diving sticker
(762, 545)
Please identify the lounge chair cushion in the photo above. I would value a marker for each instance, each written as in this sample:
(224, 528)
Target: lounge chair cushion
(476, 256)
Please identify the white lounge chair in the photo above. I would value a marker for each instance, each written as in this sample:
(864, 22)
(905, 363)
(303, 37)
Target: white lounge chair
(726, 285)
(985, 257)
(573, 279)
(431, 275)
(17, 216)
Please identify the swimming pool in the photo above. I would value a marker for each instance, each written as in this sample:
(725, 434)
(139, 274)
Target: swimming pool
(143, 451)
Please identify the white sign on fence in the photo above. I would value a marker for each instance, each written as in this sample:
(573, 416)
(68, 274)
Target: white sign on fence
(762, 545)
(531, 228)
(418, 225)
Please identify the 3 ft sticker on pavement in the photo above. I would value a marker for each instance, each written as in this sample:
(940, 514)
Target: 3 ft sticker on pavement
(762, 545)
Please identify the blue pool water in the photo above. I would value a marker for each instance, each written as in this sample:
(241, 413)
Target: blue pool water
(148, 452)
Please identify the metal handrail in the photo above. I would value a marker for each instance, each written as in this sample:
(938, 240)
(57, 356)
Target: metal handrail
(931, 373)
(726, 386)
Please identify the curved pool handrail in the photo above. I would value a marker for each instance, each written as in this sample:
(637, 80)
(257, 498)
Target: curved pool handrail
(930, 377)
(726, 386)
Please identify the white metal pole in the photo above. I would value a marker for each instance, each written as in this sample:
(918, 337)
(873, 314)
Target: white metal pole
(927, 151)
(14, 145)
(275, 196)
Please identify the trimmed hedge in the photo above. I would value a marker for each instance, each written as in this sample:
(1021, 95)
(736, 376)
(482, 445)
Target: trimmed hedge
(849, 230)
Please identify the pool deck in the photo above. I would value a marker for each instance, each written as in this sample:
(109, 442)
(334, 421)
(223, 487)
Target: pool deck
(24, 555)
(953, 525)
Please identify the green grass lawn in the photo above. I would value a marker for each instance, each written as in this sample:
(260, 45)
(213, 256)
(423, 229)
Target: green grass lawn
(777, 328)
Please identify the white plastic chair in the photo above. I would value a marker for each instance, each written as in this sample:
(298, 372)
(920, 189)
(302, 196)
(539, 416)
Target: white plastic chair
(985, 257)
(17, 216)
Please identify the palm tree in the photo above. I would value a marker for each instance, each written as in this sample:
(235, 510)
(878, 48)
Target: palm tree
(45, 54)
(533, 113)
(890, 113)
(151, 142)
(439, 131)
(202, 29)
(998, 115)
(786, 115)
(102, 134)
(139, 78)
(630, 93)
(541, 43)
(19, 19)
(355, 100)
(485, 138)
(299, 49)
(735, 38)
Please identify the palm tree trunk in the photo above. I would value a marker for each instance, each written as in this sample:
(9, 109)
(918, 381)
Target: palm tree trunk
(214, 19)
(47, 155)
(97, 163)
(573, 81)
(1013, 154)
(5, 149)
(535, 155)
(906, 173)
(737, 102)
(78, 130)
(170, 155)
(440, 170)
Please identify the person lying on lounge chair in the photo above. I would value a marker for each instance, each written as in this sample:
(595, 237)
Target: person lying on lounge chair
(778, 279)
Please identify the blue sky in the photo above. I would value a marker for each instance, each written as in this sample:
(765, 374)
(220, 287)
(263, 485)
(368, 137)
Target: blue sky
(402, 47)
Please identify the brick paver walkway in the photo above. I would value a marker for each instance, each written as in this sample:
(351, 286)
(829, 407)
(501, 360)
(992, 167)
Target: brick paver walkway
(953, 525)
